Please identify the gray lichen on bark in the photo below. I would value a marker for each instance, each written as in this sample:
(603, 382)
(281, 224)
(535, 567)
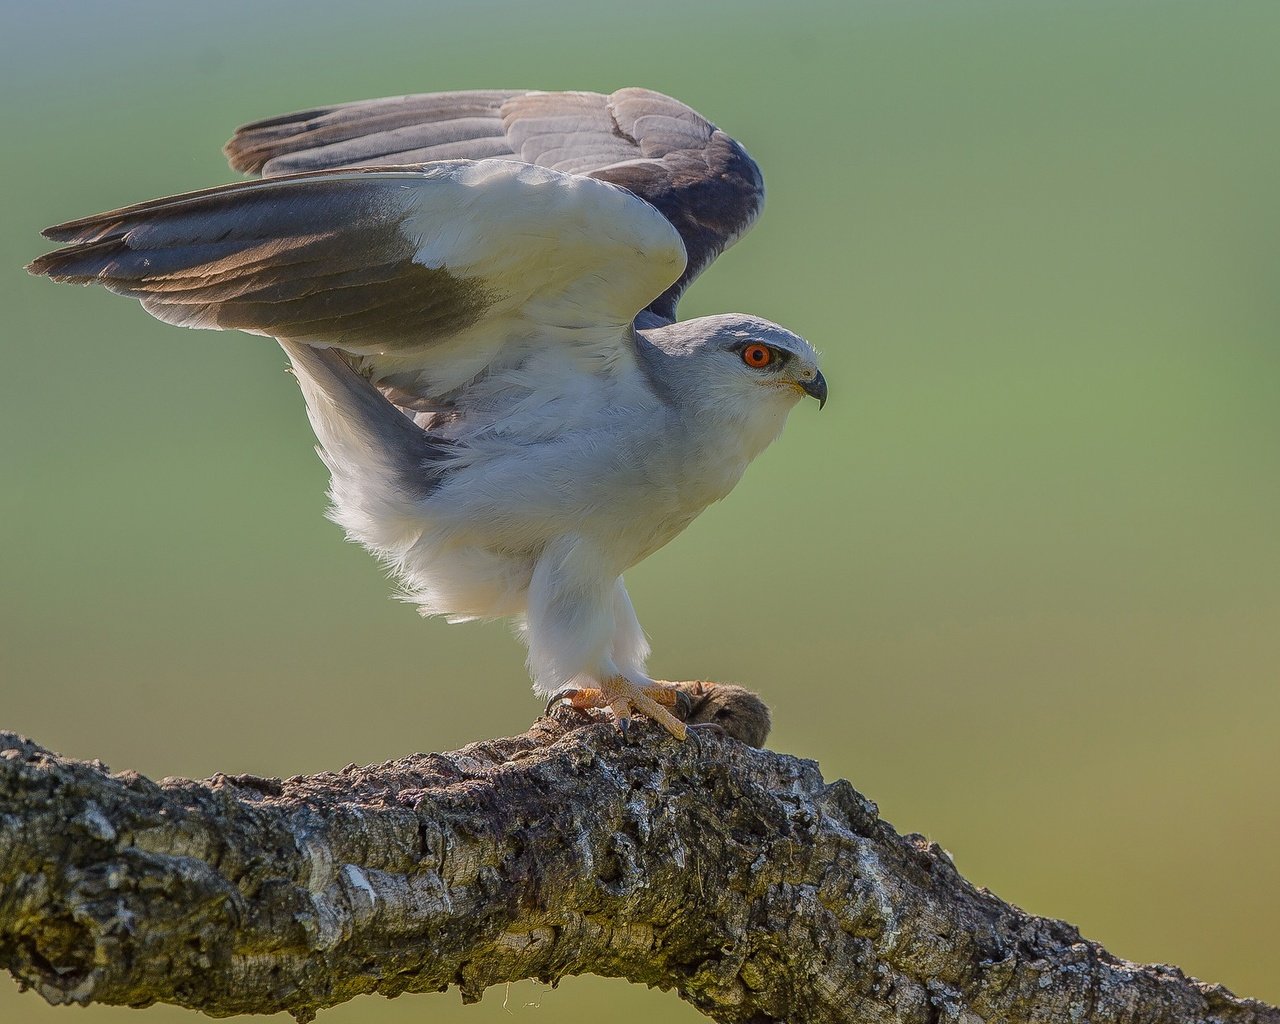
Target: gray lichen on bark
(737, 877)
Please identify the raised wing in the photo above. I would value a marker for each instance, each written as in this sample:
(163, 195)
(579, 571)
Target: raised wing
(700, 179)
(425, 272)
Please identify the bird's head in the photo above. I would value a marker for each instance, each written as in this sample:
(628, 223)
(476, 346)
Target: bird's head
(737, 367)
(760, 359)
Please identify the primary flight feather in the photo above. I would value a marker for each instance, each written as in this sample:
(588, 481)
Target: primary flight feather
(477, 294)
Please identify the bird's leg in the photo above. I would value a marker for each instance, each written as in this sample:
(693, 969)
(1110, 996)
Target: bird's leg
(624, 698)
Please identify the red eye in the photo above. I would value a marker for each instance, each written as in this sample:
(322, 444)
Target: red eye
(757, 355)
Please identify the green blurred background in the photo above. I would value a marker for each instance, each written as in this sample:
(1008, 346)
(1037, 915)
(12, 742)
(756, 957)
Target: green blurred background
(1023, 574)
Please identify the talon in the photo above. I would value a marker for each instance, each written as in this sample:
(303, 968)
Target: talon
(624, 699)
(682, 708)
(721, 709)
(566, 693)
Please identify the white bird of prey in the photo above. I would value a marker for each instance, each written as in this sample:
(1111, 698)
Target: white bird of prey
(477, 292)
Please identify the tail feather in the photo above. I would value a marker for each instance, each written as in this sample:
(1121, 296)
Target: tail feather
(383, 465)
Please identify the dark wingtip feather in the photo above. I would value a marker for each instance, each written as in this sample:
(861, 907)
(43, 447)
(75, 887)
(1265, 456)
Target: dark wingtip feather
(39, 267)
(243, 155)
(280, 119)
(76, 264)
(68, 231)
(255, 147)
(113, 223)
(88, 229)
(253, 144)
(50, 265)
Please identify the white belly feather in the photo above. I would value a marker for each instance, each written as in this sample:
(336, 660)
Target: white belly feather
(531, 465)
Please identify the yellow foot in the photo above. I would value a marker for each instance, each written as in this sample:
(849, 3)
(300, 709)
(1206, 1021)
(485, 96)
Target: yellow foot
(624, 698)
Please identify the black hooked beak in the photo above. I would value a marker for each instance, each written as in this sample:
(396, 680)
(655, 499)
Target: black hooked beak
(816, 388)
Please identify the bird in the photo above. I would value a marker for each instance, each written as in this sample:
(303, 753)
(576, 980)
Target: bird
(476, 292)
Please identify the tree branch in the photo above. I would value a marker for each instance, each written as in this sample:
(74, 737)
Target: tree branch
(735, 876)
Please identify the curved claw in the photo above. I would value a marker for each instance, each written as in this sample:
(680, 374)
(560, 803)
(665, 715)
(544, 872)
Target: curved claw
(564, 693)
(708, 728)
(624, 699)
(683, 706)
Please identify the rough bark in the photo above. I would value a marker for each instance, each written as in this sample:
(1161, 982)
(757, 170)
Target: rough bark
(737, 877)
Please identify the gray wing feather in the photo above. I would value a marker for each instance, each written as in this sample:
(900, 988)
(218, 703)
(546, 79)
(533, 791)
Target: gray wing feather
(389, 263)
(355, 133)
(698, 177)
(321, 258)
